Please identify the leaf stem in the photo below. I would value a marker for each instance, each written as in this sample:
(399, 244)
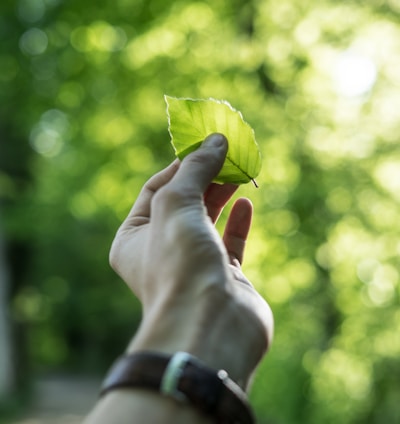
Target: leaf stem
(255, 183)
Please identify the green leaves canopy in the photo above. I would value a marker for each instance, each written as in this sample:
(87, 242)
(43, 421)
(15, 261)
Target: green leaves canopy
(191, 121)
(81, 97)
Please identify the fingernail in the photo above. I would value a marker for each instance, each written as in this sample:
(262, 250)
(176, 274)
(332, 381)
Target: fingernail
(215, 140)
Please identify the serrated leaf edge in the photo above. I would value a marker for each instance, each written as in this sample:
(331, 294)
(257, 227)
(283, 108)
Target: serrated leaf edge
(225, 102)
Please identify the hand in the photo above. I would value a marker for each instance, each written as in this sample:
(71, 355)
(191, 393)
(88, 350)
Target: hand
(195, 297)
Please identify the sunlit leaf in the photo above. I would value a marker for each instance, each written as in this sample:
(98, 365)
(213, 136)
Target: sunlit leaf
(191, 121)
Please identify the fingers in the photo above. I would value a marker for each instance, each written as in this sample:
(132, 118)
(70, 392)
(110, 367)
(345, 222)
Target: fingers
(193, 175)
(140, 212)
(199, 168)
(216, 197)
(237, 229)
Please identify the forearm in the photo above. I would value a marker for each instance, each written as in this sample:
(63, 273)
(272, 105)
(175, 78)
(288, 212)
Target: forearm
(212, 346)
(140, 406)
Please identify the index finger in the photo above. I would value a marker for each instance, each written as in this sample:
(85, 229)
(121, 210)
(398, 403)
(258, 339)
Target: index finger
(140, 212)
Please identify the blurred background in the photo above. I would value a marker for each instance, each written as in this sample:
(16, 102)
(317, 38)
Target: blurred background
(82, 127)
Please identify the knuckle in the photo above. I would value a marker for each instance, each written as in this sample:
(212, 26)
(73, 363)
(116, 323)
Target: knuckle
(168, 196)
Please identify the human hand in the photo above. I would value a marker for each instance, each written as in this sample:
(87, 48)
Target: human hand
(195, 297)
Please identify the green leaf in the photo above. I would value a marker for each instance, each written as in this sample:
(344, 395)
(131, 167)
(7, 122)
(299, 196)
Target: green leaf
(191, 121)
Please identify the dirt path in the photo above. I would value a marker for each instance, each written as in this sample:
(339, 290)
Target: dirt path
(61, 400)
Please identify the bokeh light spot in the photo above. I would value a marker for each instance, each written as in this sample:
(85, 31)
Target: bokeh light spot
(354, 74)
(71, 94)
(48, 136)
(33, 42)
(99, 36)
(82, 205)
(387, 175)
(31, 10)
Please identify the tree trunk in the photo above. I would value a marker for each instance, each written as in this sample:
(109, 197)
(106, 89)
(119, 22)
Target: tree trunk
(7, 377)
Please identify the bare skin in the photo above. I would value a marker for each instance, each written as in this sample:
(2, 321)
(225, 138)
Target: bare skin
(194, 294)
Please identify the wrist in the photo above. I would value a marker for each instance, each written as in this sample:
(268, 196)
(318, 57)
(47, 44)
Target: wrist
(218, 330)
(183, 378)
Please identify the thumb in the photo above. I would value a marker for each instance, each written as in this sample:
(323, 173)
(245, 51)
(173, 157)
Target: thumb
(200, 167)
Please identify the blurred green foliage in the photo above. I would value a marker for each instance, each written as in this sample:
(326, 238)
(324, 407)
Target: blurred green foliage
(83, 125)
